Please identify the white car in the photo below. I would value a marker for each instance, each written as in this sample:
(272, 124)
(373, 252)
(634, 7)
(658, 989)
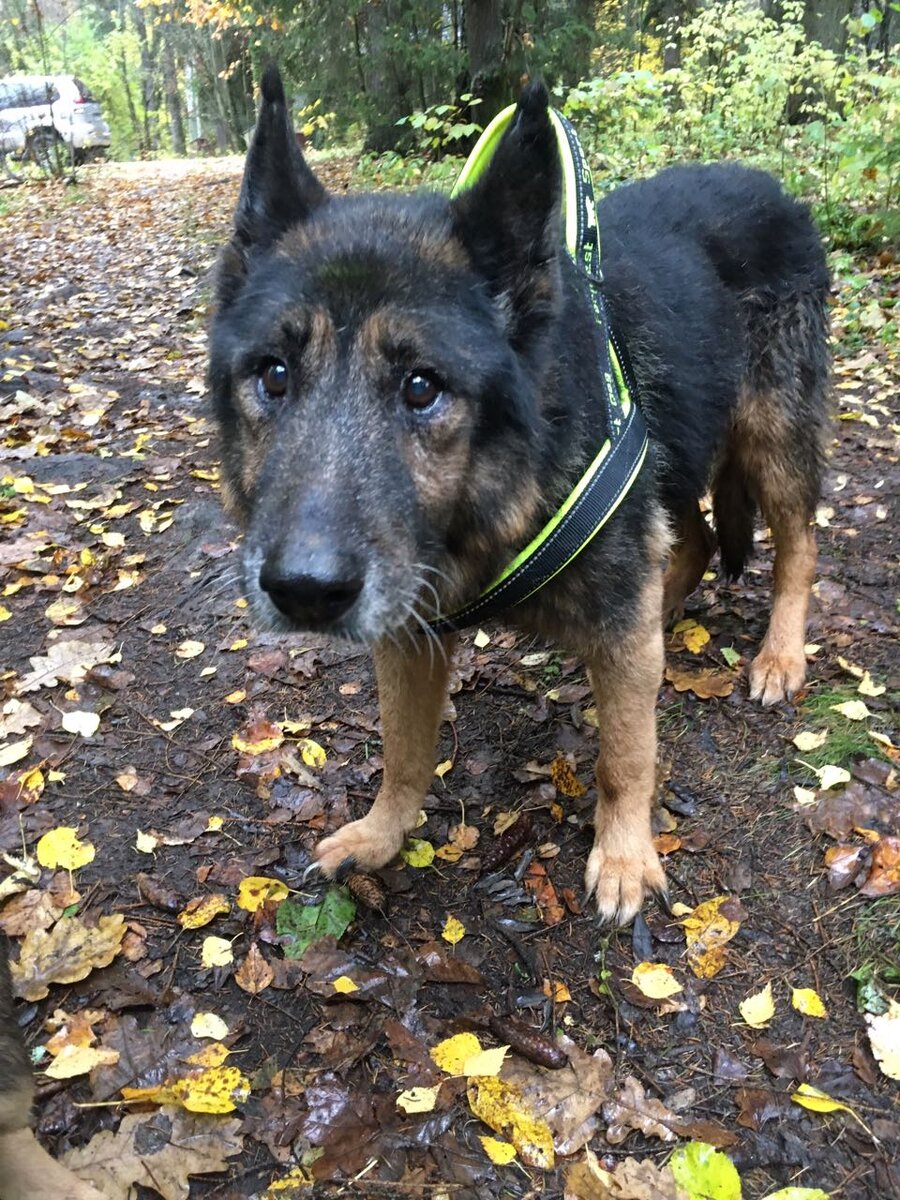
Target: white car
(39, 113)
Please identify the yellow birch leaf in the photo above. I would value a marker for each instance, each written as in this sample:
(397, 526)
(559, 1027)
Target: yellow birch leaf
(209, 1025)
(417, 852)
(884, 1038)
(564, 778)
(212, 1055)
(504, 821)
(449, 853)
(60, 847)
(853, 710)
(808, 1002)
(344, 985)
(311, 753)
(831, 776)
(84, 723)
(503, 1108)
(443, 767)
(238, 644)
(419, 1099)
(806, 740)
(655, 980)
(75, 1060)
(556, 991)
(454, 931)
(189, 649)
(203, 909)
(695, 638)
(268, 737)
(869, 688)
(707, 930)
(452, 1053)
(217, 1090)
(67, 953)
(816, 1101)
(216, 952)
(214, 824)
(485, 1062)
(758, 1009)
(482, 639)
(255, 890)
(14, 752)
(804, 796)
(146, 842)
(500, 1153)
(237, 697)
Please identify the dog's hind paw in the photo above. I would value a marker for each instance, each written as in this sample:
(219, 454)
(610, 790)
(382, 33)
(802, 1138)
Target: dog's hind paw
(619, 882)
(366, 844)
(776, 675)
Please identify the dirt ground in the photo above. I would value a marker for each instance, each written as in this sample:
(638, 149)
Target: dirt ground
(112, 537)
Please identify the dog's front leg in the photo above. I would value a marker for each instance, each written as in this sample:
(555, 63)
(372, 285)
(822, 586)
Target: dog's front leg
(625, 675)
(412, 689)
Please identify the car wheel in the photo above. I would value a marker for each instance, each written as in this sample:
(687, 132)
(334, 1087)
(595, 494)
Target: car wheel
(43, 149)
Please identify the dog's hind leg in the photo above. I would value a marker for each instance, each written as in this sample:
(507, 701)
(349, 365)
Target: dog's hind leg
(778, 445)
(412, 689)
(694, 547)
(625, 674)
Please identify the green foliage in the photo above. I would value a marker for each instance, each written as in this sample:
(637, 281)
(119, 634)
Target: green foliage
(441, 128)
(301, 925)
(752, 87)
(392, 170)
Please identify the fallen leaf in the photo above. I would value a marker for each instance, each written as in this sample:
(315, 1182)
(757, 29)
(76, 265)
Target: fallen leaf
(160, 1151)
(443, 767)
(806, 740)
(853, 710)
(208, 1025)
(68, 661)
(202, 909)
(695, 638)
(419, 1099)
(65, 954)
(502, 1108)
(344, 985)
(311, 753)
(216, 952)
(808, 1002)
(704, 684)
(14, 752)
(452, 1054)
(705, 1173)
(256, 890)
(758, 1009)
(210, 1090)
(454, 931)
(258, 736)
(61, 847)
(631, 1108)
(500, 1153)
(300, 925)
(655, 980)
(417, 852)
(830, 776)
(79, 1060)
(146, 843)
(884, 1038)
(189, 649)
(485, 1062)
(254, 974)
(884, 873)
(564, 778)
(707, 930)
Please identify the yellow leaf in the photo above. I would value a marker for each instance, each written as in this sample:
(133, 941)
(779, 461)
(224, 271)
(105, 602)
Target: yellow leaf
(503, 1108)
(214, 824)
(202, 909)
(216, 952)
(695, 638)
(808, 1002)
(707, 930)
(449, 853)
(853, 710)
(454, 931)
(216, 1090)
(831, 776)
(237, 697)
(758, 1009)
(500, 1153)
(146, 842)
(239, 644)
(85, 723)
(344, 985)
(451, 1054)
(14, 752)
(504, 821)
(869, 688)
(419, 1099)
(655, 980)
(75, 1060)
(482, 639)
(804, 796)
(564, 778)
(443, 767)
(884, 1038)
(60, 847)
(806, 740)
(67, 953)
(311, 752)
(213, 1054)
(255, 890)
(485, 1062)
(208, 1025)
(5, 614)
(128, 779)
(271, 739)
(418, 853)
(810, 1097)
(556, 991)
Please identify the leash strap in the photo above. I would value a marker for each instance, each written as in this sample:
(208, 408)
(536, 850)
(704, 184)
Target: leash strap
(618, 462)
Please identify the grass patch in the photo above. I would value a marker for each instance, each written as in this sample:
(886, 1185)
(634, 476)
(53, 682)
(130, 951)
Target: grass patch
(847, 740)
(876, 934)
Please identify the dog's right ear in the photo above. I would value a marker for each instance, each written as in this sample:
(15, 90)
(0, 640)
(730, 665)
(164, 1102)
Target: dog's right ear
(278, 188)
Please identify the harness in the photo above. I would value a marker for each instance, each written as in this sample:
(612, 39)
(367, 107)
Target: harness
(600, 490)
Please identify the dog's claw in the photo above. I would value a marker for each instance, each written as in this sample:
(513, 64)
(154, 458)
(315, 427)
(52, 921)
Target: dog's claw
(347, 867)
(311, 872)
(664, 900)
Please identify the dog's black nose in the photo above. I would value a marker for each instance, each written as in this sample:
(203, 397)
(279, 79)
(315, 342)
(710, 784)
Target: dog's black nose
(315, 593)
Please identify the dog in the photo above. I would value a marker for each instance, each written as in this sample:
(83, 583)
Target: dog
(26, 1169)
(405, 393)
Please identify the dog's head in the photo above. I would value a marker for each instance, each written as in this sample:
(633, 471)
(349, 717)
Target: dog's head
(375, 367)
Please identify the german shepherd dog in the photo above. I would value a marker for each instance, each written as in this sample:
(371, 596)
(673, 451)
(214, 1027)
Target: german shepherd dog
(406, 392)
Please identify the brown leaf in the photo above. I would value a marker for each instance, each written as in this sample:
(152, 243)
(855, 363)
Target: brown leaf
(254, 974)
(704, 684)
(631, 1180)
(538, 883)
(68, 953)
(160, 1152)
(884, 875)
(30, 910)
(631, 1108)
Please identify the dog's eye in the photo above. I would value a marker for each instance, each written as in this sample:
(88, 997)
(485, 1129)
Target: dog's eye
(421, 391)
(273, 379)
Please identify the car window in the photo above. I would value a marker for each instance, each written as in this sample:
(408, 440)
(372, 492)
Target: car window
(42, 92)
(85, 92)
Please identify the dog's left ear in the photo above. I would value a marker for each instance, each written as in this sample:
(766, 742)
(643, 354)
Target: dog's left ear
(509, 218)
(278, 188)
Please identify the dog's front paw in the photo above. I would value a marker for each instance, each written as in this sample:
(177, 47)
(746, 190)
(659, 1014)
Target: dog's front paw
(367, 844)
(620, 872)
(776, 675)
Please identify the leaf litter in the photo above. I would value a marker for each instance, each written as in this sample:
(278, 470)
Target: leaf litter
(235, 755)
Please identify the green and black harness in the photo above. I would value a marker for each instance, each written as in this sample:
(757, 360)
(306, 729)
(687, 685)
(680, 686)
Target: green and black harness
(618, 462)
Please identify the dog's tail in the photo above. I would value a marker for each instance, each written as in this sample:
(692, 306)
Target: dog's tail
(734, 513)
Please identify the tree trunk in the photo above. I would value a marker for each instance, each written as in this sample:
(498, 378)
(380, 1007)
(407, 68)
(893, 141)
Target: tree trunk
(173, 97)
(487, 64)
